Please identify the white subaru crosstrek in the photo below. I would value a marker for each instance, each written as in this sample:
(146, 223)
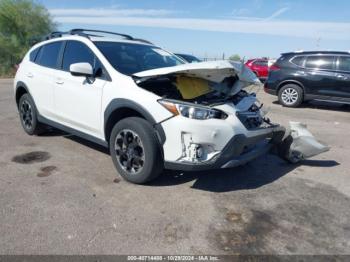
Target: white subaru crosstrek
(147, 105)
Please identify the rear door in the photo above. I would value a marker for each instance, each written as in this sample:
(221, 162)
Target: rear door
(77, 99)
(41, 76)
(320, 78)
(343, 77)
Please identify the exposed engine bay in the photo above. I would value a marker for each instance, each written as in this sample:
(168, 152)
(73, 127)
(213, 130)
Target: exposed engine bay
(193, 89)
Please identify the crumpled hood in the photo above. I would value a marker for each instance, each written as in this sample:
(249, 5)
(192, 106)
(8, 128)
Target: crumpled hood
(215, 71)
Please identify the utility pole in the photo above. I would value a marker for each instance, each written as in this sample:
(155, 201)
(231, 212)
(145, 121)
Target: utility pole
(318, 41)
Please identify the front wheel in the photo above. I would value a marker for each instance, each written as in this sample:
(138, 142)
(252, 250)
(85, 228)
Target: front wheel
(290, 95)
(135, 150)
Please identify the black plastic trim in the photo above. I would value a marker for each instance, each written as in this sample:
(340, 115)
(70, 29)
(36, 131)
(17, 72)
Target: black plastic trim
(119, 103)
(72, 131)
(290, 81)
(22, 84)
(328, 98)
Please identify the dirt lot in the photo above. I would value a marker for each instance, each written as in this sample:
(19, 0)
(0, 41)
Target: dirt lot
(68, 198)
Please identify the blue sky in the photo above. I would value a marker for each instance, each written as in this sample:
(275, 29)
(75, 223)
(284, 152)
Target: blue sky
(211, 28)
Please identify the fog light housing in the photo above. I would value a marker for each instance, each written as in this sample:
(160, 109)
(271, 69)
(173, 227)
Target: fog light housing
(199, 152)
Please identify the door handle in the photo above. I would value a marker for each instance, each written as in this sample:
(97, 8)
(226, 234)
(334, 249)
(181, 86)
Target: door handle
(30, 75)
(341, 76)
(59, 81)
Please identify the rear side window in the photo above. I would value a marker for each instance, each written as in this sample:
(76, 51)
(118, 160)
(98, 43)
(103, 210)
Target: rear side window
(33, 54)
(320, 62)
(298, 60)
(48, 54)
(260, 63)
(77, 52)
(344, 63)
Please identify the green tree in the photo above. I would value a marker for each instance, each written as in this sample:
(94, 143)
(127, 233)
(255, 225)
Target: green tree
(235, 57)
(22, 22)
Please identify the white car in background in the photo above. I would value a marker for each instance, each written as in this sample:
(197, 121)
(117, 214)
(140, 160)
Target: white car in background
(151, 110)
(270, 62)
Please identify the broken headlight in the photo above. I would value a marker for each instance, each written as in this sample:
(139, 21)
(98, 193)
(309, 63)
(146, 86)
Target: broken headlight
(191, 110)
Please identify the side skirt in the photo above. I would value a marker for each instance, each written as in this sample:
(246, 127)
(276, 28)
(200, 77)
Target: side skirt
(72, 131)
(341, 100)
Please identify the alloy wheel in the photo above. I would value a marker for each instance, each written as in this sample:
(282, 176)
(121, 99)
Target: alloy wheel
(289, 96)
(129, 151)
(26, 114)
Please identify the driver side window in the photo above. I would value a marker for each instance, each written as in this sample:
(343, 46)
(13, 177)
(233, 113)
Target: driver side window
(78, 52)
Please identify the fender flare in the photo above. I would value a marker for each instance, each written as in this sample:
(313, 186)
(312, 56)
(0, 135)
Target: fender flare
(119, 103)
(286, 82)
(21, 84)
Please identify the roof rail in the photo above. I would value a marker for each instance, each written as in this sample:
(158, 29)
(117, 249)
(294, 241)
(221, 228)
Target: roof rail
(60, 34)
(85, 31)
(143, 40)
(94, 33)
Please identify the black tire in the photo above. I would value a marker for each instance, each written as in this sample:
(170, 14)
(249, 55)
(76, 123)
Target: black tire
(291, 95)
(29, 115)
(135, 150)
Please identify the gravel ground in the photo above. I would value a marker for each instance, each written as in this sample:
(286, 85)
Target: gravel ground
(61, 195)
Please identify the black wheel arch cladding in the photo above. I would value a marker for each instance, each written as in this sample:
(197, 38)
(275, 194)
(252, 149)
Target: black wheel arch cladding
(21, 88)
(122, 103)
(290, 82)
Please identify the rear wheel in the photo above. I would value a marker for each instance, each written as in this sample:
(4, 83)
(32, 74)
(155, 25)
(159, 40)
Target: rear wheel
(290, 95)
(29, 115)
(135, 150)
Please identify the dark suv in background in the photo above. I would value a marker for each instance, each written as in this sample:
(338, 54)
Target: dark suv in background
(317, 75)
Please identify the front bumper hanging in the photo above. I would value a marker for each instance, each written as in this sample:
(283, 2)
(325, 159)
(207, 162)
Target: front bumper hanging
(293, 145)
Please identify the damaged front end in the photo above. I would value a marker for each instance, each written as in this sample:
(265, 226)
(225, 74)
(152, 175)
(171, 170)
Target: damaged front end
(205, 83)
(216, 123)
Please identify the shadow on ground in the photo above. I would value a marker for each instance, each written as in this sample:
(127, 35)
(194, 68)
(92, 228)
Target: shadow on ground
(258, 173)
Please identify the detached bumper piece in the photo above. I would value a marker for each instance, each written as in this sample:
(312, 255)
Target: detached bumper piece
(298, 144)
(239, 151)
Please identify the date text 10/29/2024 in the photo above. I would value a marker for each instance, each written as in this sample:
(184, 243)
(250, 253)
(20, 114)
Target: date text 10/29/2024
(173, 258)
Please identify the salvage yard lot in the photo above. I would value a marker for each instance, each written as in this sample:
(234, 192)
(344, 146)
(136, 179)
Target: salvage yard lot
(68, 199)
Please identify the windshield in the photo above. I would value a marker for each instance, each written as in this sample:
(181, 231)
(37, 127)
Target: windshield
(130, 58)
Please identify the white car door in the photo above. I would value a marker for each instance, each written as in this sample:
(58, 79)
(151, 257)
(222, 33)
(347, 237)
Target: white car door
(40, 77)
(77, 100)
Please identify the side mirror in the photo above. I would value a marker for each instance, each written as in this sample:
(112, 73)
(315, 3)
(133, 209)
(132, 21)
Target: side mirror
(81, 69)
